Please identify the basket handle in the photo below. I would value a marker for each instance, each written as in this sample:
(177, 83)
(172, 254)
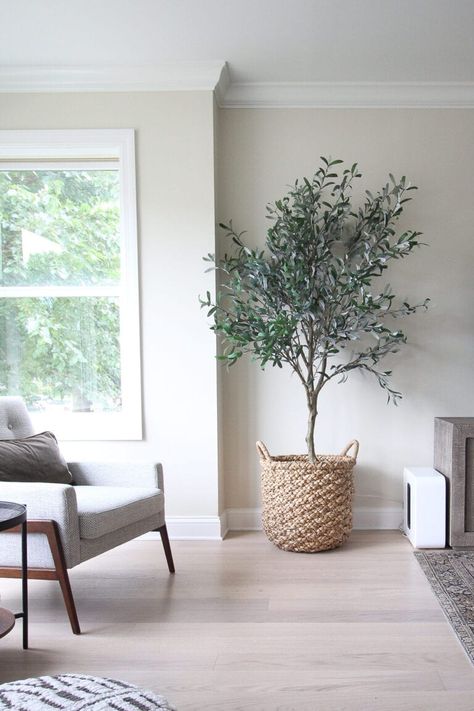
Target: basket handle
(263, 451)
(353, 443)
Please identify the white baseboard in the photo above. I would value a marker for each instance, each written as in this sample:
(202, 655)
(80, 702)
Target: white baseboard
(214, 528)
(364, 518)
(244, 519)
(192, 528)
(377, 519)
(204, 528)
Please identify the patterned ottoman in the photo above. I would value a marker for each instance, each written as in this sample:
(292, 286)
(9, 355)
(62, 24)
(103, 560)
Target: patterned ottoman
(76, 691)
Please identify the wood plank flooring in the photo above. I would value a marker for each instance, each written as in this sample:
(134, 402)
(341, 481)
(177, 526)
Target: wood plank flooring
(245, 626)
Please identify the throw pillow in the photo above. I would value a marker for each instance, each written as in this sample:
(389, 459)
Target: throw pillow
(33, 459)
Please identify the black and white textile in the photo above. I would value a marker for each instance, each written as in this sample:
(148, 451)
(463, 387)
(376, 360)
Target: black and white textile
(76, 692)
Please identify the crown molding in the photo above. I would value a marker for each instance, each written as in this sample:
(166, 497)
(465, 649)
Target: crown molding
(222, 85)
(214, 76)
(170, 76)
(361, 95)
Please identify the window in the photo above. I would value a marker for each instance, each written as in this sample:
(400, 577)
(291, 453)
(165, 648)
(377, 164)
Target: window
(69, 334)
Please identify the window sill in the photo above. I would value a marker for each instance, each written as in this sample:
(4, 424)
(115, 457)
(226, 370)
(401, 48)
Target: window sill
(88, 425)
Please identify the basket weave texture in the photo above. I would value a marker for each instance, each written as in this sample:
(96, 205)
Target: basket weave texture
(307, 507)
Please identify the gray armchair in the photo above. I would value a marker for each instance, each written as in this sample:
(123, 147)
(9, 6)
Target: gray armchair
(107, 505)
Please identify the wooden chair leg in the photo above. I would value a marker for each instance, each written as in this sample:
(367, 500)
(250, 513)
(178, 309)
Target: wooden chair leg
(51, 531)
(167, 548)
(57, 552)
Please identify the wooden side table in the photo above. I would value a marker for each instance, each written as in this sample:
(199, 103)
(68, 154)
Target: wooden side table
(12, 515)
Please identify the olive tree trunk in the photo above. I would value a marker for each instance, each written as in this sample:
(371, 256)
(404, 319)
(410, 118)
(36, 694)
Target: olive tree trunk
(312, 398)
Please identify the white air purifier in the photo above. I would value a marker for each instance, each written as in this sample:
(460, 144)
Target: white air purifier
(425, 507)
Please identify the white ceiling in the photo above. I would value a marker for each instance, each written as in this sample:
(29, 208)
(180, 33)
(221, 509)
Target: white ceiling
(262, 40)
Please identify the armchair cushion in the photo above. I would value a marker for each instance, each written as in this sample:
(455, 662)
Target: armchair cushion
(33, 459)
(56, 502)
(14, 418)
(105, 509)
(134, 474)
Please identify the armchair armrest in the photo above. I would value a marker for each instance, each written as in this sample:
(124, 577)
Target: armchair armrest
(140, 474)
(56, 502)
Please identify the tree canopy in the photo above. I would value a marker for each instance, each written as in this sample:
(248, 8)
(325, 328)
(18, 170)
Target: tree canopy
(310, 299)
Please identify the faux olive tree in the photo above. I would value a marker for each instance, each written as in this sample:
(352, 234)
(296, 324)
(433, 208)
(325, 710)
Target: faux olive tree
(310, 298)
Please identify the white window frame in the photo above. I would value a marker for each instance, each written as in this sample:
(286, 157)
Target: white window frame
(85, 148)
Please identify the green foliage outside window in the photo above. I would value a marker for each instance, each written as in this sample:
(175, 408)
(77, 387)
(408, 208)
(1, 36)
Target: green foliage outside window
(60, 228)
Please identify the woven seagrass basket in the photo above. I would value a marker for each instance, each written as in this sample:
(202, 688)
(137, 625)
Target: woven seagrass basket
(307, 507)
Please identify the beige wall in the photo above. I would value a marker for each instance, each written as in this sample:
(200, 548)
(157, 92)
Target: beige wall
(175, 176)
(260, 152)
(256, 153)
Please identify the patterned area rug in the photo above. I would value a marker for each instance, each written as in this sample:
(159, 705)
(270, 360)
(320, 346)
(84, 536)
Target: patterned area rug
(76, 692)
(451, 575)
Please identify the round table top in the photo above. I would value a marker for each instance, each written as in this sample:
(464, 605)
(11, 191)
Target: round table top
(7, 621)
(11, 514)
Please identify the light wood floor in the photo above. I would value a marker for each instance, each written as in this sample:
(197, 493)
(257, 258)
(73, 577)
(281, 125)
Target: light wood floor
(245, 626)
